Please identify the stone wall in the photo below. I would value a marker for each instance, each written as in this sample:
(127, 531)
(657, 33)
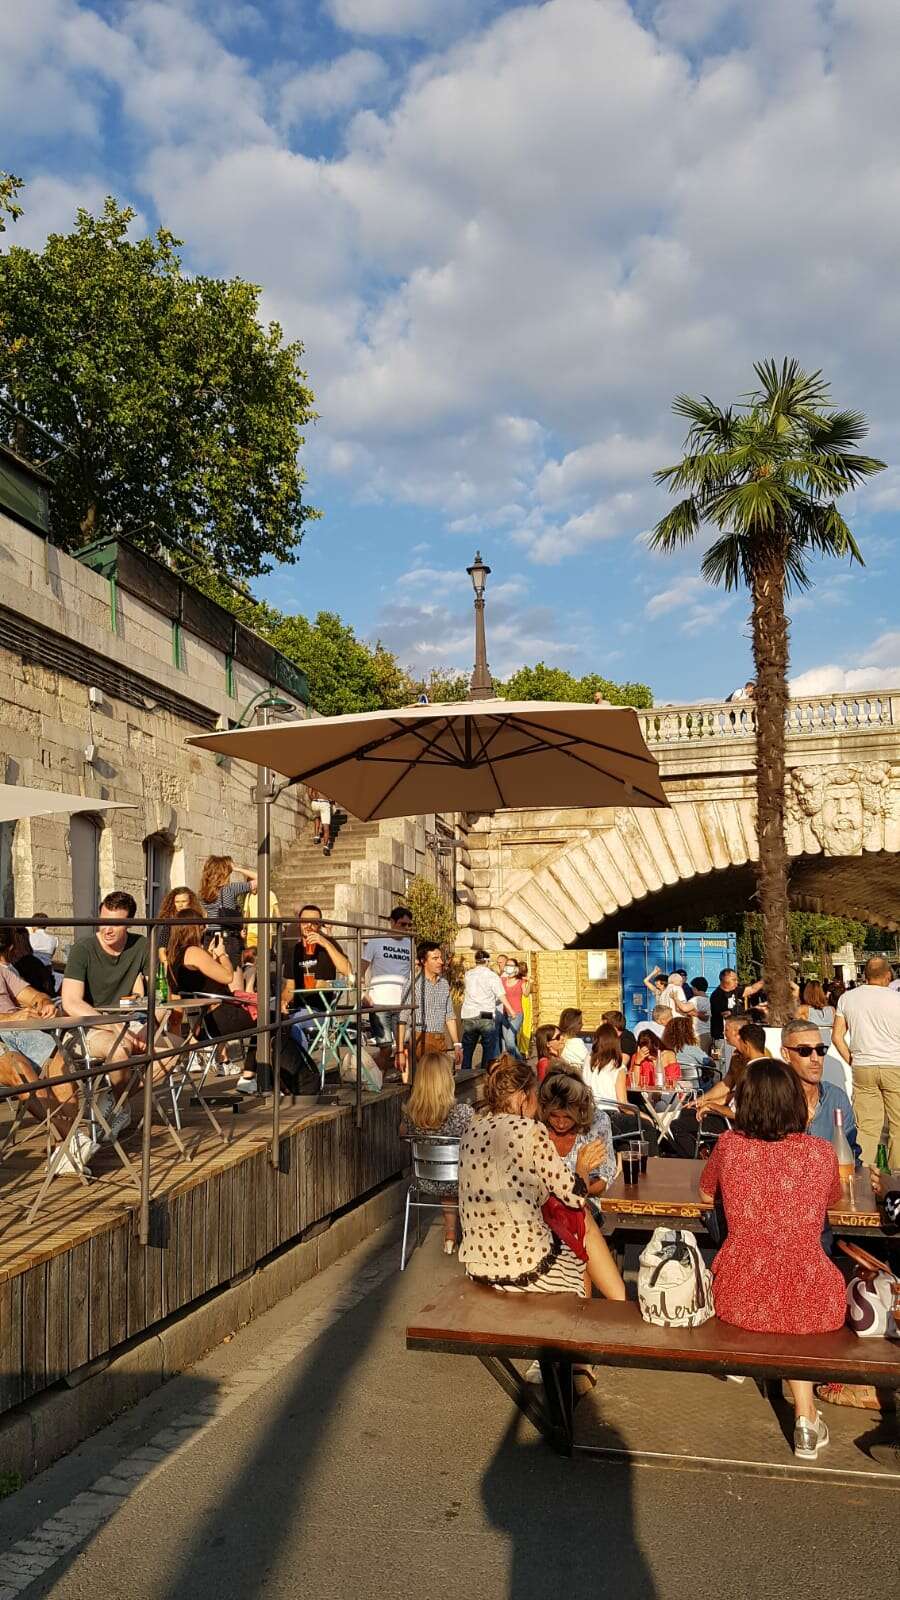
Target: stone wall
(48, 724)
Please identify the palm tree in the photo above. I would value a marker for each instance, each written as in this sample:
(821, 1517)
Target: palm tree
(765, 475)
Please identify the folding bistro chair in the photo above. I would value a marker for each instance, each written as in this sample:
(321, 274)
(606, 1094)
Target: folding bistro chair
(435, 1159)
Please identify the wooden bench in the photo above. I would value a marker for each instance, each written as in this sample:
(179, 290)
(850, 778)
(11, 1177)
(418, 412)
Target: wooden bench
(559, 1331)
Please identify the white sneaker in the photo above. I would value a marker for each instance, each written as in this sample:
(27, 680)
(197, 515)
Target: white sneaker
(73, 1161)
(809, 1437)
(246, 1086)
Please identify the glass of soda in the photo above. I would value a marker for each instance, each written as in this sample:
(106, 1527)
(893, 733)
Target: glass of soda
(631, 1161)
(645, 1153)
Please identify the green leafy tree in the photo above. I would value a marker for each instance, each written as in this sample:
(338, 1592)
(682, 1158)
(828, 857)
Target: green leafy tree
(442, 686)
(345, 674)
(10, 186)
(179, 414)
(555, 683)
(765, 475)
(434, 918)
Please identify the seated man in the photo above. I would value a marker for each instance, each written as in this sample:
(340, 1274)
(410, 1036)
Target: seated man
(317, 962)
(106, 967)
(28, 1055)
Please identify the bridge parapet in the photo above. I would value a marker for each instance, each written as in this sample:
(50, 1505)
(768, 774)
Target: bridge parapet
(825, 715)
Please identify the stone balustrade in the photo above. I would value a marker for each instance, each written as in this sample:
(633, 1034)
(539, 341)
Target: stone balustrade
(827, 715)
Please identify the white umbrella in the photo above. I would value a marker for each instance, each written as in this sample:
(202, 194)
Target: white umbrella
(472, 756)
(17, 802)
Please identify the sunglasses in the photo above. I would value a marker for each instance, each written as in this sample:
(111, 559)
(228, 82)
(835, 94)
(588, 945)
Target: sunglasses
(807, 1050)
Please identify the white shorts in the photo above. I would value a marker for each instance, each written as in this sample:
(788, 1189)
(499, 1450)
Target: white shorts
(322, 808)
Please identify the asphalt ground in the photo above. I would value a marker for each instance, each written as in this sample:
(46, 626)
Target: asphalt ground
(314, 1456)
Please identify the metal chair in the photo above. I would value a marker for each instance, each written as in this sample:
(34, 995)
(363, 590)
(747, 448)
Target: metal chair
(435, 1159)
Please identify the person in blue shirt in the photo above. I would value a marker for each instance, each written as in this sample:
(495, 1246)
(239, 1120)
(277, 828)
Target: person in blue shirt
(802, 1049)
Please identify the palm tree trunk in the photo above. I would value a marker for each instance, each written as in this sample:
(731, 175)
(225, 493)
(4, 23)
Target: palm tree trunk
(770, 654)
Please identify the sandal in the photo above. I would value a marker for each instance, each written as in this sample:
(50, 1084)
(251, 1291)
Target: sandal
(861, 1396)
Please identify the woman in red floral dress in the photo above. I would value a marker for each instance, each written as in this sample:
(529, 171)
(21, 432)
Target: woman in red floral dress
(776, 1182)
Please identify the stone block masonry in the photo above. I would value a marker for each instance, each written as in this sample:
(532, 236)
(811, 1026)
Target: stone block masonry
(57, 642)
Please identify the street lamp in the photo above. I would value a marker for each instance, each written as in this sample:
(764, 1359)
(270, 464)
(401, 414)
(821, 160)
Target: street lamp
(481, 685)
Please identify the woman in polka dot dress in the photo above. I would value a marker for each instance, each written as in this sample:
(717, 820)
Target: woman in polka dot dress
(508, 1167)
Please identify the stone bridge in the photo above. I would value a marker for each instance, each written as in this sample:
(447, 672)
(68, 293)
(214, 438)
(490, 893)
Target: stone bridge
(546, 879)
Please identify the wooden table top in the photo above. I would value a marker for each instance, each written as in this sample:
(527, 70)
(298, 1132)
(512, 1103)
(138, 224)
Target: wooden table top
(670, 1188)
(465, 1318)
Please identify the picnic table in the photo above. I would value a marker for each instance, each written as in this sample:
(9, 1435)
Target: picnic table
(669, 1192)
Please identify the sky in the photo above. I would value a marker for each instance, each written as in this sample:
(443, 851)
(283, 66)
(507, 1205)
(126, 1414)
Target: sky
(507, 236)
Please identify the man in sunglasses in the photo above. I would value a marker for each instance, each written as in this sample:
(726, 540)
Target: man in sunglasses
(802, 1049)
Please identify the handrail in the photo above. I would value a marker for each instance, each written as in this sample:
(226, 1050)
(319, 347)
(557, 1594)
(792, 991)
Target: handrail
(869, 711)
(351, 934)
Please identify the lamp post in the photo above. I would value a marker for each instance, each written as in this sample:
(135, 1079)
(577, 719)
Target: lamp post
(481, 685)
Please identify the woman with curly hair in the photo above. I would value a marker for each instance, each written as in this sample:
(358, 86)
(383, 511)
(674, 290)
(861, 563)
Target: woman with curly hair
(223, 901)
(508, 1169)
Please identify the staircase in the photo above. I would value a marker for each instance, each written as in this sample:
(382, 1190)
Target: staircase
(305, 875)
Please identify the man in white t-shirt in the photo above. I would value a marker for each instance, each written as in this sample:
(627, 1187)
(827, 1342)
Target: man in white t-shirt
(697, 1007)
(866, 1034)
(670, 994)
(483, 996)
(386, 973)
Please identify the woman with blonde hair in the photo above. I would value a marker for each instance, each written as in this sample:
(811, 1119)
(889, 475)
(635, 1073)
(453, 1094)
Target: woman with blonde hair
(223, 901)
(432, 1111)
(508, 1168)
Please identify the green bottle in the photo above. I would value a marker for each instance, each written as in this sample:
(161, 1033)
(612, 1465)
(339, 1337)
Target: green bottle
(881, 1160)
(162, 985)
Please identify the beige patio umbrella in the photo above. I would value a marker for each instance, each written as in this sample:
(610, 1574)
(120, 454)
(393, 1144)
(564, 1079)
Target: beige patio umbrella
(478, 755)
(17, 802)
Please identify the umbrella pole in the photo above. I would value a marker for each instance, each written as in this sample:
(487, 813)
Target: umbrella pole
(263, 950)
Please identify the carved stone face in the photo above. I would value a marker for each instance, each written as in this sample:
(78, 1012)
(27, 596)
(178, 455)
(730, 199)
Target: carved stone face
(842, 819)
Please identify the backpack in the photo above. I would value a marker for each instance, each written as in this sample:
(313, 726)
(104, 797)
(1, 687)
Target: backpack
(674, 1282)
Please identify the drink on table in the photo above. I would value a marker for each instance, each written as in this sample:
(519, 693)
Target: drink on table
(841, 1147)
(881, 1160)
(645, 1153)
(631, 1161)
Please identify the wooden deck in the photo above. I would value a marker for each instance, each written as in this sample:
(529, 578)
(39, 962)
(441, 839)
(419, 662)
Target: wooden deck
(76, 1283)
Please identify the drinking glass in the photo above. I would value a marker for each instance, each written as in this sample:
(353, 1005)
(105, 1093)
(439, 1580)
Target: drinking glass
(631, 1161)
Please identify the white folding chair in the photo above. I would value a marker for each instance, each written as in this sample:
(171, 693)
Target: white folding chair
(435, 1159)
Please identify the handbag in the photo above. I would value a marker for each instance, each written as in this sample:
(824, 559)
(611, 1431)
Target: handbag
(674, 1282)
(873, 1295)
(372, 1078)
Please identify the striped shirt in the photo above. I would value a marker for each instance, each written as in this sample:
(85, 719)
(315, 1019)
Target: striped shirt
(434, 1006)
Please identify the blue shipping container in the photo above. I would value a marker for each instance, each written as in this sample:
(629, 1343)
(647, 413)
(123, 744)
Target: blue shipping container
(704, 955)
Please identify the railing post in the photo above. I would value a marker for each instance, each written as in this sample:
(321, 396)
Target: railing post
(357, 967)
(276, 1049)
(152, 961)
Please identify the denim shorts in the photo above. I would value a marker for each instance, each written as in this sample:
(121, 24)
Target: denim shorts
(35, 1045)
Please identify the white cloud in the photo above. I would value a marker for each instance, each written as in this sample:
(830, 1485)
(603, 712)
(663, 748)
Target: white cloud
(325, 91)
(878, 668)
(562, 220)
(675, 595)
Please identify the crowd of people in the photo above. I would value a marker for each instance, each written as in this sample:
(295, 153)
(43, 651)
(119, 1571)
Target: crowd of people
(540, 1152)
(208, 945)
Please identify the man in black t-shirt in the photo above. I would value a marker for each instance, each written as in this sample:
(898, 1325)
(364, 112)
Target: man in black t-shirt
(317, 962)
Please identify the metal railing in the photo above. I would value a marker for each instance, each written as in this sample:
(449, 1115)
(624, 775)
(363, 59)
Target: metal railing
(351, 937)
(824, 715)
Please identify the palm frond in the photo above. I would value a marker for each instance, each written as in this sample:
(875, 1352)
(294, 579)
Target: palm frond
(678, 527)
(723, 563)
(789, 390)
(753, 506)
(698, 471)
(823, 529)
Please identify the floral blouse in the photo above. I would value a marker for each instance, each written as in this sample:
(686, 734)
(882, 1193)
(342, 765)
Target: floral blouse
(508, 1167)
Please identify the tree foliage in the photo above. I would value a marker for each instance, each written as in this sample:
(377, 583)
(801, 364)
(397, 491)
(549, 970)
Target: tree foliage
(10, 186)
(765, 475)
(555, 683)
(814, 937)
(179, 414)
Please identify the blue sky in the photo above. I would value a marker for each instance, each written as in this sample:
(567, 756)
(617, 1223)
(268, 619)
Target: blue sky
(507, 235)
